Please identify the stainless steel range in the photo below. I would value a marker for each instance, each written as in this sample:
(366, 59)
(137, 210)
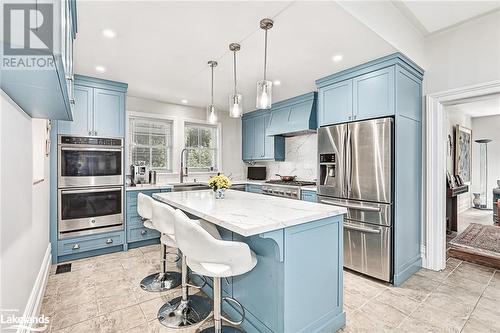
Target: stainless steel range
(280, 188)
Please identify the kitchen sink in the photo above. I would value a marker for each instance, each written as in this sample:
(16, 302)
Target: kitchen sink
(189, 187)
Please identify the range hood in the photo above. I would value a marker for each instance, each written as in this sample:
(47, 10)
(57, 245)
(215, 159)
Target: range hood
(294, 116)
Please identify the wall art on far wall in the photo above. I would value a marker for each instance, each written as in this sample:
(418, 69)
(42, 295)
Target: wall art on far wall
(463, 153)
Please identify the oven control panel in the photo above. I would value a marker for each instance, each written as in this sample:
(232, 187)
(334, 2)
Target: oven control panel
(92, 141)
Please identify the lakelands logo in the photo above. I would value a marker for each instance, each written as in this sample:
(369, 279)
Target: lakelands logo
(9, 321)
(28, 34)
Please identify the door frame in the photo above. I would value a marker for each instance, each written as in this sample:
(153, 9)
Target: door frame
(434, 208)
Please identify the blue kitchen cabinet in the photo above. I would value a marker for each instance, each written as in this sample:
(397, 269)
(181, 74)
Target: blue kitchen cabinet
(247, 130)
(109, 113)
(82, 117)
(99, 108)
(308, 196)
(253, 188)
(335, 103)
(75, 246)
(373, 94)
(256, 144)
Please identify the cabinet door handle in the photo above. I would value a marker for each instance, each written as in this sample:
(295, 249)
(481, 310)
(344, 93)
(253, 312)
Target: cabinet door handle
(109, 241)
(90, 132)
(143, 232)
(72, 101)
(76, 247)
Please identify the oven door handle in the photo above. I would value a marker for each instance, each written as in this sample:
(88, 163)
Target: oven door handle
(350, 226)
(90, 149)
(108, 189)
(355, 207)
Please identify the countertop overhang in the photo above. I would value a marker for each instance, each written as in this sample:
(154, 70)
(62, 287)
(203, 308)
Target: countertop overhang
(248, 214)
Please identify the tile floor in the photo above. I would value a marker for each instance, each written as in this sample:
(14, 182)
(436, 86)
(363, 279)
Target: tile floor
(102, 294)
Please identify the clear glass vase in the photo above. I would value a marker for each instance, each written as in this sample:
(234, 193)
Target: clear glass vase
(220, 193)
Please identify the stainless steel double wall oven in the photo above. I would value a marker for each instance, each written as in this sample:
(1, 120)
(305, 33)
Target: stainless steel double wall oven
(356, 171)
(90, 185)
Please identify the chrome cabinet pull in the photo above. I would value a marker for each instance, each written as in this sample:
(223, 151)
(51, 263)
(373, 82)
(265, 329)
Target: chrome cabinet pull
(76, 246)
(143, 232)
(109, 241)
(361, 229)
(355, 207)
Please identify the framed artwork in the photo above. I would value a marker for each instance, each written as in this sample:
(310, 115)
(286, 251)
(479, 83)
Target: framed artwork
(451, 180)
(459, 180)
(463, 153)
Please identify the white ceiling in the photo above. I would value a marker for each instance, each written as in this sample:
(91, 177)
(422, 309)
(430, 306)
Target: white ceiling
(432, 16)
(162, 47)
(480, 107)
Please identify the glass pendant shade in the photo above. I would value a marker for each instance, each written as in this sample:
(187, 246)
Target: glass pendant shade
(264, 94)
(235, 105)
(211, 114)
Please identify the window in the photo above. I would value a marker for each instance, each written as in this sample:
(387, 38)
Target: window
(201, 142)
(151, 143)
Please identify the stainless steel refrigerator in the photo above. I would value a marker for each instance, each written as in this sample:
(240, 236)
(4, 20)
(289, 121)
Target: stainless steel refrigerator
(356, 171)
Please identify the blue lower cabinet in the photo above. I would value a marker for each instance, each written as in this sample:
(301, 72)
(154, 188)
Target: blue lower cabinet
(308, 196)
(89, 243)
(136, 232)
(253, 188)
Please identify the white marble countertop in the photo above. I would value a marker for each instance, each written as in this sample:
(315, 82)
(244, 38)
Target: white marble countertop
(246, 213)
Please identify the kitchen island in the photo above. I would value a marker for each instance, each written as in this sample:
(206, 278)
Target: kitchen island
(297, 283)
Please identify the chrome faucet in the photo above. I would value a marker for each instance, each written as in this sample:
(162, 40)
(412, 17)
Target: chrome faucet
(184, 170)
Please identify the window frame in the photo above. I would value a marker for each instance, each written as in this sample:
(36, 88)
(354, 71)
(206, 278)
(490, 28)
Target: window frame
(153, 118)
(217, 147)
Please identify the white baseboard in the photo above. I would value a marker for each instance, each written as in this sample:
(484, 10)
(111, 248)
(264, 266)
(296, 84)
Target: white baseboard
(423, 254)
(36, 297)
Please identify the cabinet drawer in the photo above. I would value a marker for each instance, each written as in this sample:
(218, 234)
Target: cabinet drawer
(308, 196)
(254, 188)
(89, 243)
(141, 233)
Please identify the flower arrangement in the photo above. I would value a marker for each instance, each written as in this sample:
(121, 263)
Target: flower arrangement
(219, 182)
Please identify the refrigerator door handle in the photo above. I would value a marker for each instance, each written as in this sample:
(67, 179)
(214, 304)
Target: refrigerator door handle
(356, 207)
(348, 225)
(346, 163)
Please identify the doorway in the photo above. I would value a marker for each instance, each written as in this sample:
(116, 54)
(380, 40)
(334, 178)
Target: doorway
(435, 168)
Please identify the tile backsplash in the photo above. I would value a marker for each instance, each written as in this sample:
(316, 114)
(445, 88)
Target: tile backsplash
(300, 158)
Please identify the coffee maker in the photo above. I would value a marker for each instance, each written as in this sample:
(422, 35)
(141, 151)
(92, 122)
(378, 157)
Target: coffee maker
(139, 174)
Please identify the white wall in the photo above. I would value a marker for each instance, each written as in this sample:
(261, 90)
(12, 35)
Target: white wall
(24, 209)
(230, 135)
(454, 118)
(465, 55)
(300, 158)
(486, 128)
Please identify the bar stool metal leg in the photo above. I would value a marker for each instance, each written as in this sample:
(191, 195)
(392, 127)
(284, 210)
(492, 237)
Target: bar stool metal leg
(186, 310)
(218, 318)
(164, 280)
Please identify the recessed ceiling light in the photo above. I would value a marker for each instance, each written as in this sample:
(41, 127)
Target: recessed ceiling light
(100, 69)
(108, 33)
(337, 57)
(277, 82)
(184, 101)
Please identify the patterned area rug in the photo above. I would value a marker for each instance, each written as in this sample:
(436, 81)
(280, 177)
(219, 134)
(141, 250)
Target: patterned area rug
(480, 238)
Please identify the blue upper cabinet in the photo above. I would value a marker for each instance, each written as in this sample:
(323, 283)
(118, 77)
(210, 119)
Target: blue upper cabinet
(82, 116)
(256, 144)
(99, 108)
(40, 80)
(376, 89)
(373, 94)
(335, 103)
(109, 113)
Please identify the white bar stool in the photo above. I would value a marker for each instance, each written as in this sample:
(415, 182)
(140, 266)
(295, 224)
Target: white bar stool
(209, 256)
(186, 310)
(164, 280)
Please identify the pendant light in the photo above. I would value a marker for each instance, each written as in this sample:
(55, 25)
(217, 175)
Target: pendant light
(211, 109)
(235, 99)
(265, 87)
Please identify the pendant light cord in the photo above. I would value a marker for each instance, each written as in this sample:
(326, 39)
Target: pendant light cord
(234, 61)
(212, 96)
(265, 56)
